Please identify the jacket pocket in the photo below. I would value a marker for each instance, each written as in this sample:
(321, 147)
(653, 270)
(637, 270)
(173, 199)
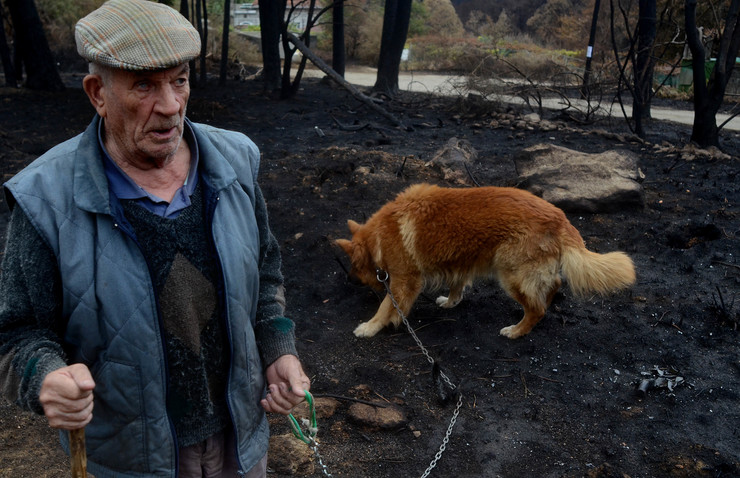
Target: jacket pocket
(115, 438)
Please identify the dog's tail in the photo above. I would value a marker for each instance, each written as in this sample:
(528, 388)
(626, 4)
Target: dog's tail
(592, 272)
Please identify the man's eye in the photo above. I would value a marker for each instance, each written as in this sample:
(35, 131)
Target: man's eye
(143, 86)
(181, 81)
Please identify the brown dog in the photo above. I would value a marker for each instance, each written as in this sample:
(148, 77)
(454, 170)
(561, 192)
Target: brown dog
(430, 236)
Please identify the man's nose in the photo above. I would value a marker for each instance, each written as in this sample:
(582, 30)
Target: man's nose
(169, 101)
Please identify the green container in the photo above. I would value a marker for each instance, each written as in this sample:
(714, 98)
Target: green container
(686, 76)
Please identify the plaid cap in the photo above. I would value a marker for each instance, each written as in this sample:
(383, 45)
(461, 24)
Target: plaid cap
(136, 35)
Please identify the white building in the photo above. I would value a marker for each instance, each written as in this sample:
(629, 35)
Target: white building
(247, 14)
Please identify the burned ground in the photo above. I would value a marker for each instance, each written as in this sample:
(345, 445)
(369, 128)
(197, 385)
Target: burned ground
(563, 401)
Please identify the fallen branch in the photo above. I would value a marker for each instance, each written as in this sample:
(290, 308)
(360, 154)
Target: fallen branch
(321, 64)
(726, 264)
(345, 127)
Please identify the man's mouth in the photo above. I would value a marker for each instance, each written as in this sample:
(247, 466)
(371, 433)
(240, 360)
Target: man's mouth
(164, 133)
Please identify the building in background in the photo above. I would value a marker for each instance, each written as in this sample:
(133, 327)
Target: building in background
(247, 14)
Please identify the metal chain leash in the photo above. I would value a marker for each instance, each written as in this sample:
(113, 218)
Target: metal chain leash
(382, 277)
(315, 447)
(446, 439)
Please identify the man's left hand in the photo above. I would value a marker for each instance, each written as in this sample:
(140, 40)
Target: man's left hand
(287, 385)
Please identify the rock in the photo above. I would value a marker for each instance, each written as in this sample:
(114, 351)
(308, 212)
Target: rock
(288, 455)
(581, 182)
(388, 417)
(325, 407)
(452, 159)
(546, 125)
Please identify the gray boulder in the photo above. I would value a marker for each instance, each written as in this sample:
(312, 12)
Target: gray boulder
(581, 182)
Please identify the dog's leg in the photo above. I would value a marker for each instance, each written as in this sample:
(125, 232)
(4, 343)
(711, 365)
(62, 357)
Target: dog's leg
(381, 318)
(405, 294)
(457, 290)
(533, 313)
(456, 295)
(534, 308)
(554, 290)
(405, 291)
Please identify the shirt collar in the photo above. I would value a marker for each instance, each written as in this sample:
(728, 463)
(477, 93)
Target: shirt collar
(123, 187)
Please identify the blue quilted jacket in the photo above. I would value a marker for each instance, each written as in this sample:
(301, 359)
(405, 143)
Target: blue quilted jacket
(114, 326)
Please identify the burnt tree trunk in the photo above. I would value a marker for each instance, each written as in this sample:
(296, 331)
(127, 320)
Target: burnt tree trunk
(395, 28)
(338, 59)
(708, 95)
(195, 9)
(290, 88)
(204, 44)
(644, 63)
(31, 48)
(201, 24)
(185, 12)
(8, 67)
(225, 44)
(271, 19)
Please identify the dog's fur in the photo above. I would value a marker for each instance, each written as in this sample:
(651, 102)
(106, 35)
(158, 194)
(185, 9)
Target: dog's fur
(430, 236)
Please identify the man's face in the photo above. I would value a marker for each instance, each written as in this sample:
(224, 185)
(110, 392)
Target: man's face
(144, 113)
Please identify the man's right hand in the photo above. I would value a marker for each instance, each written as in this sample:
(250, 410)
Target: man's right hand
(67, 398)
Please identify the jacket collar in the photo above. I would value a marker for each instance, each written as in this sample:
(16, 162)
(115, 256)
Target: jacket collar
(91, 192)
(90, 184)
(216, 168)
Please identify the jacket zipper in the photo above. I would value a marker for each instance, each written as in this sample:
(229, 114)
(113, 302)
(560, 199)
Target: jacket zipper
(128, 232)
(212, 202)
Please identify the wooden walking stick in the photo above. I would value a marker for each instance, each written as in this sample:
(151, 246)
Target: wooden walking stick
(78, 453)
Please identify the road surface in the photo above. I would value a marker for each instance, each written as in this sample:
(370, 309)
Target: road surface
(446, 84)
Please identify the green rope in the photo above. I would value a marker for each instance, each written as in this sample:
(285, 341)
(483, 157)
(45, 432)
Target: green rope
(312, 429)
(311, 425)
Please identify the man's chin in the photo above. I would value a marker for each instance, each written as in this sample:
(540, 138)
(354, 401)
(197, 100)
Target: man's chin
(162, 151)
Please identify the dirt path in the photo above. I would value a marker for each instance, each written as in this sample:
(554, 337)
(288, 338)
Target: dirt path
(449, 85)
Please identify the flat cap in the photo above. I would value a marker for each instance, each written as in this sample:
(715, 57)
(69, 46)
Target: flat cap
(136, 35)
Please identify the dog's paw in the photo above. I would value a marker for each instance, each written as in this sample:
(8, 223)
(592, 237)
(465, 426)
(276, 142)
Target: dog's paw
(511, 332)
(446, 303)
(366, 329)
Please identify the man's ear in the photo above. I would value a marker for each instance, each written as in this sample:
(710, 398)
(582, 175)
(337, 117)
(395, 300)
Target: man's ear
(93, 86)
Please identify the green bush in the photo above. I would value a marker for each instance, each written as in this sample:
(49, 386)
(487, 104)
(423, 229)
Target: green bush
(504, 59)
(436, 53)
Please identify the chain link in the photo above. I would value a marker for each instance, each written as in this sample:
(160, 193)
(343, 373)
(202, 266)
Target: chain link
(382, 277)
(315, 448)
(446, 439)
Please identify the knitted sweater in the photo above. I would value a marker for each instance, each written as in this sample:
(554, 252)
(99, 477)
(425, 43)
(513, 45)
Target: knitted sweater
(186, 278)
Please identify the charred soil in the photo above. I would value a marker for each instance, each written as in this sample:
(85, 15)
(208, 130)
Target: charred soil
(563, 401)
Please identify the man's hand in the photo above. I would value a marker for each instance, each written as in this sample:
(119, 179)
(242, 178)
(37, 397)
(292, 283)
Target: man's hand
(287, 385)
(67, 398)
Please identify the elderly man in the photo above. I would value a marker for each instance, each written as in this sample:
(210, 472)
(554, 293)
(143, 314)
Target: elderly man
(141, 293)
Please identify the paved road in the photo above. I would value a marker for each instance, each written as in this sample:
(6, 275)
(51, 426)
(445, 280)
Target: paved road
(445, 84)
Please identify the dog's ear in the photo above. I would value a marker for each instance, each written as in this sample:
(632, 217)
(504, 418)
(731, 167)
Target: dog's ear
(353, 226)
(345, 245)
